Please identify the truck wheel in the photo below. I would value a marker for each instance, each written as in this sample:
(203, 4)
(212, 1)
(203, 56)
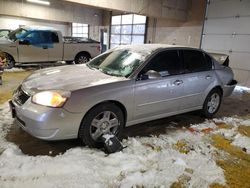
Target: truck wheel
(82, 58)
(103, 119)
(10, 63)
(212, 103)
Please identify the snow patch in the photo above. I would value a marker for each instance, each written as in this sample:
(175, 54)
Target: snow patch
(241, 89)
(14, 70)
(148, 161)
(242, 142)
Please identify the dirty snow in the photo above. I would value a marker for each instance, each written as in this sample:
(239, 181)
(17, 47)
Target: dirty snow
(241, 89)
(148, 161)
(242, 141)
(14, 70)
(153, 161)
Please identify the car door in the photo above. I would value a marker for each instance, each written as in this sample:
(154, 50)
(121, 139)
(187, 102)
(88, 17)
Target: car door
(157, 96)
(197, 78)
(33, 47)
(55, 46)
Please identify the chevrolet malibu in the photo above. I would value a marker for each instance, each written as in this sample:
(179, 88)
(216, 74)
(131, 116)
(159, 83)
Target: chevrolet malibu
(126, 85)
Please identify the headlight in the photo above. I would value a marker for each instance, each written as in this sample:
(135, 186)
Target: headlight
(51, 98)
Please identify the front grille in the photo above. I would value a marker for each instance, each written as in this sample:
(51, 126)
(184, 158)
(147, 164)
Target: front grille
(20, 96)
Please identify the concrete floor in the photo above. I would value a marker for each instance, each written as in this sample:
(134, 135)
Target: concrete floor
(235, 105)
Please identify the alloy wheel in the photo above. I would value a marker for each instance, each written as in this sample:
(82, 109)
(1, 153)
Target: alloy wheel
(104, 123)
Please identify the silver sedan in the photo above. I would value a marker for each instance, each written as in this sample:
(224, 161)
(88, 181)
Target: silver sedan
(122, 87)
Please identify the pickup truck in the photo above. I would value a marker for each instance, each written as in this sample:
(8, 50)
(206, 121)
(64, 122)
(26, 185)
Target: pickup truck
(42, 44)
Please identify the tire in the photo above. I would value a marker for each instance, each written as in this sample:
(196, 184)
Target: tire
(98, 122)
(82, 58)
(212, 103)
(10, 63)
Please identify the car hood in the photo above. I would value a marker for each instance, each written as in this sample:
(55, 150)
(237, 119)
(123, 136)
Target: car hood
(69, 78)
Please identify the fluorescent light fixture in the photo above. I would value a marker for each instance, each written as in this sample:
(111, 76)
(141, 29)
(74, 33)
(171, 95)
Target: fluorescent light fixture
(39, 2)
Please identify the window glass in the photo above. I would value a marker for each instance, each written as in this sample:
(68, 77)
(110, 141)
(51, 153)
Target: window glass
(4, 33)
(113, 45)
(194, 61)
(127, 19)
(138, 29)
(34, 38)
(138, 39)
(80, 30)
(116, 20)
(115, 39)
(126, 29)
(139, 19)
(116, 29)
(54, 37)
(117, 62)
(85, 35)
(208, 61)
(125, 39)
(166, 63)
(131, 25)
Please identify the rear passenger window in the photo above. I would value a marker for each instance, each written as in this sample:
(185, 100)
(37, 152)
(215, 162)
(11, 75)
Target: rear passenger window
(54, 37)
(208, 62)
(195, 61)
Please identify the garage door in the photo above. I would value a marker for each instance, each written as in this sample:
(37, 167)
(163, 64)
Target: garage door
(227, 30)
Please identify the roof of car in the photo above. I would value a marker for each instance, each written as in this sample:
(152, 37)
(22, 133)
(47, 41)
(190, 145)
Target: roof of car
(148, 48)
(40, 28)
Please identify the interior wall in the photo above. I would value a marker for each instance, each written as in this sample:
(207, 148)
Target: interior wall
(60, 12)
(169, 9)
(169, 31)
(12, 23)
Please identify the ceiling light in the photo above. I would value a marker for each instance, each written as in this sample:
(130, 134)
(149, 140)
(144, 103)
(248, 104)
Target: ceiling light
(39, 2)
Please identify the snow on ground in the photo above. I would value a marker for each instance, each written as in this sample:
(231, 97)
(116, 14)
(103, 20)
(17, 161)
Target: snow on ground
(148, 161)
(14, 70)
(184, 155)
(240, 89)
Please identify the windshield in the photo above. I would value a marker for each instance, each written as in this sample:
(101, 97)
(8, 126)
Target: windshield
(117, 62)
(17, 34)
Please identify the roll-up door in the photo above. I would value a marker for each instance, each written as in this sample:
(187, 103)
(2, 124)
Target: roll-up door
(227, 30)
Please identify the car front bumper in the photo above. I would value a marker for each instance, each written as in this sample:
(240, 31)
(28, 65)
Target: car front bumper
(45, 122)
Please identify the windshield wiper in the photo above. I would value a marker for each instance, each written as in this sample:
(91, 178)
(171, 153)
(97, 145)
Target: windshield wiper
(91, 67)
(109, 73)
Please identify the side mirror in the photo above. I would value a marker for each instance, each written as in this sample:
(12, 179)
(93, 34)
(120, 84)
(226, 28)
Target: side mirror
(153, 74)
(24, 42)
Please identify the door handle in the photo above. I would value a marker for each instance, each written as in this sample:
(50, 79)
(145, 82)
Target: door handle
(178, 82)
(208, 77)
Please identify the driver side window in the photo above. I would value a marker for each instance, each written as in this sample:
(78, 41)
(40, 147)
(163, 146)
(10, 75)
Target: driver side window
(33, 38)
(165, 63)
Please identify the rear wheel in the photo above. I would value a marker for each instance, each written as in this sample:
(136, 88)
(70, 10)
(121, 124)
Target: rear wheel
(212, 103)
(82, 58)
(103, 119)
(10, 63)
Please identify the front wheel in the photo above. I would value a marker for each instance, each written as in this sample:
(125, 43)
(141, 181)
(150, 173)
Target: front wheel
(103, 119)
(212, 103)
(82, 58)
